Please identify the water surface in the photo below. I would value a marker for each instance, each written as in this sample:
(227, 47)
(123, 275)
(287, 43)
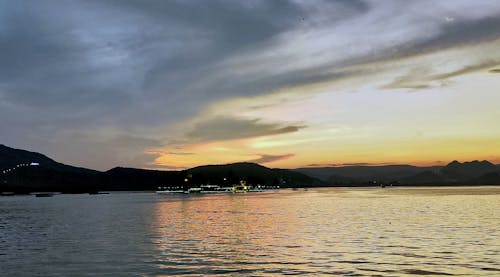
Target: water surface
(334, 231)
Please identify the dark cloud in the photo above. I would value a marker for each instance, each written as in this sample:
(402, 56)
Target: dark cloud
(71, 67)
(271, 158)
(131, 141)
(101, 150)
(496, 70)
(459, 33)
(465, 70)
(129, 62)
(120, 63)
(226, 29)
(227, 128)
(103, 58)
(46, 63)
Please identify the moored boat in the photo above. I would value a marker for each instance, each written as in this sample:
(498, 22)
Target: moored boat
(193, 190)
(43, 194)
(168, 190)
(242, 187)
(211, 189)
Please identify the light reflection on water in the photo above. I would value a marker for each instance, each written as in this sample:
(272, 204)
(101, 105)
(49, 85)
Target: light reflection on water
(357, 232)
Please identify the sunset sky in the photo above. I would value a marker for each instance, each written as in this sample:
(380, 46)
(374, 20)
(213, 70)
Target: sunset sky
(175, 84)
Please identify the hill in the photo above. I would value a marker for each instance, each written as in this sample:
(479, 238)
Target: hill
(23, 171)
(385, 173)
(11, 158)
(252, 173)
(121, 178)
(492, 178)
(454, 173)
(467, 170)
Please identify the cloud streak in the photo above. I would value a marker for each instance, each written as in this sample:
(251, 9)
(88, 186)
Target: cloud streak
(423, 78)
(228, 128)
(265, 158)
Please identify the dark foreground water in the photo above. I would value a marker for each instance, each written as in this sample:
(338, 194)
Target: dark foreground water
(346, 232)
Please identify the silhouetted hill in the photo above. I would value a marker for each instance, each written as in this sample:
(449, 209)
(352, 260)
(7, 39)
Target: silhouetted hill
(48, 175)
(18, 174)
(229, 174)
(385, 173)
(11, 157)
(455, 173)
(120, 178)
(492, 178)
(424, 178)
(339, 180)
(468, 170)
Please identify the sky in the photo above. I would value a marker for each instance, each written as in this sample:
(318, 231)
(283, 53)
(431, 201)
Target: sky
(170, 85)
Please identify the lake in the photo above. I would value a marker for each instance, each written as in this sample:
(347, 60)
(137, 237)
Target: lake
(327, 231)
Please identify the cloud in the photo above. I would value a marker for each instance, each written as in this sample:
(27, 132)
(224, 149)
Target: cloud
(181, 153)
(124, 141)
(228, 128)
(322, 165)
(150, 55)
(102, 149)
(146, 65)
(429, 70)
(467, 30)
(496, 70)
(271, 158)
(164, 167)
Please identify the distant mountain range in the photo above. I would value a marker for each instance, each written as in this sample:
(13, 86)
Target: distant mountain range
(23, 171)
(454, 173)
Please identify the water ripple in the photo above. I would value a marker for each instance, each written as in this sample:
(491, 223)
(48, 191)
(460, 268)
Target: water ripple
(343, 232)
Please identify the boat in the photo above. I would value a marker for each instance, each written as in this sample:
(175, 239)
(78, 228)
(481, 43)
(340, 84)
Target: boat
(211, 189)
(226, 189)
(43, 194)
(168, 190)
(260, 188)
(241, 188)
(257, 188)
(97, 192)
(193, 190)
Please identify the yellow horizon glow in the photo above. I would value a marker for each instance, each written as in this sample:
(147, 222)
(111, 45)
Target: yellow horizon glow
(438, 118)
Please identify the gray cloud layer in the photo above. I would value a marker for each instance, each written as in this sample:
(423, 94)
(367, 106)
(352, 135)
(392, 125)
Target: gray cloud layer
(222, 128)
(70, 67)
